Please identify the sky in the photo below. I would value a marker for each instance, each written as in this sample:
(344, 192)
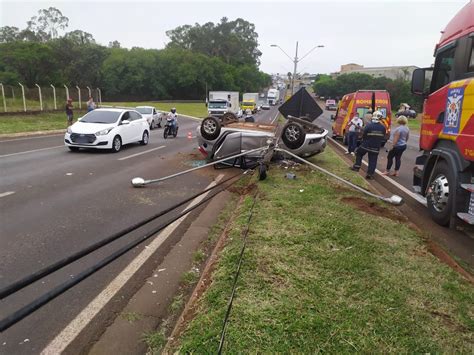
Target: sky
(370, 33)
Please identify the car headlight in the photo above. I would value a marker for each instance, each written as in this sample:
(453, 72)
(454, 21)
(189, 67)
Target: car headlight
(69, 130)
(103, 132)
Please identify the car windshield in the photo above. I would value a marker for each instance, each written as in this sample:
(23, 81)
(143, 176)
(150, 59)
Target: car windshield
(98, 116)
(330, 102)
(145, 110)
(247, 103)
(217, 105)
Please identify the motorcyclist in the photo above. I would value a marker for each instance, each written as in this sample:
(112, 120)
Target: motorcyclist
(173, 118)
(372, 138)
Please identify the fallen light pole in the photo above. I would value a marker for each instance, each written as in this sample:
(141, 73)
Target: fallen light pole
(394, 199)
(139, 182)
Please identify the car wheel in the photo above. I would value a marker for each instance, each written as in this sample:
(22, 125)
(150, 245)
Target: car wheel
(145, 138)
(73, 149)
(116, 144)
(440, 194)
(293, 135)
(210, 128)
(152, 125)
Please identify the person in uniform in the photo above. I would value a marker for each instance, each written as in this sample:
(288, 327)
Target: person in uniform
(372, 138)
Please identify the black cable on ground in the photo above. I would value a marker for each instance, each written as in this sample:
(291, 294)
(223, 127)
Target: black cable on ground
(26, 281)
(236, 277)
(18, 315)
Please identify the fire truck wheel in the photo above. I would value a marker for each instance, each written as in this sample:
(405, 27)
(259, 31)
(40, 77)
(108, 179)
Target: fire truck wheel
(441, 192)
(210, 128)
(293, 135)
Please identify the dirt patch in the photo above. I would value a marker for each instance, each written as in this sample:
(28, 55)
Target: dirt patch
(243, 190)
(373, 208)
(445, 258)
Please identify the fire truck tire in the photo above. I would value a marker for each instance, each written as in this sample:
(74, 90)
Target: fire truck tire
(293, 135)
(210, 128)
(441, 191)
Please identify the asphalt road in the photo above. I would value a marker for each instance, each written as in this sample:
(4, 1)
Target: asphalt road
(55, 202)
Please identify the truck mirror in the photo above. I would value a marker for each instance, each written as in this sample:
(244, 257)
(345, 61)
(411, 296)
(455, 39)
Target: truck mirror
(418, 82)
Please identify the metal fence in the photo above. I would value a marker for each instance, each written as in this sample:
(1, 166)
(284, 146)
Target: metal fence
(39, 98)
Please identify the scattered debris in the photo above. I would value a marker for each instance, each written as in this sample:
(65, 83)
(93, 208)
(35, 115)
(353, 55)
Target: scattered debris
(301, 190)
(69, 174)
(160, 270)
(290, 176)
(154, 291)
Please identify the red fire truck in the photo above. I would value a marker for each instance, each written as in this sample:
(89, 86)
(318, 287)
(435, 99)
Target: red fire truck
(444, 173)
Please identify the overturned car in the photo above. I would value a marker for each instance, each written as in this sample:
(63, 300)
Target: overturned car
(219, 139)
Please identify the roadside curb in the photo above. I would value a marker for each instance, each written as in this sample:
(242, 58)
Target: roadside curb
(34, 133)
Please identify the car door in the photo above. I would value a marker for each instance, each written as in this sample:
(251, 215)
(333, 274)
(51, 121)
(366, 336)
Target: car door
(139, 125)
(126, 130)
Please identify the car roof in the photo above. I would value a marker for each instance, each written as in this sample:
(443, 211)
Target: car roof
(145, 107)
(114, 109)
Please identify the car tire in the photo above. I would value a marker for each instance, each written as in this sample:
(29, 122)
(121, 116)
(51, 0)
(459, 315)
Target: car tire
(441, 191)
(210, 128)
(74, 149)
(145, 138)
(116, 144)
(293, 135)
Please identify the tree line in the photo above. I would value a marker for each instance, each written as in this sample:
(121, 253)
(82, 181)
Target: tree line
(221, 56)
(399, 89)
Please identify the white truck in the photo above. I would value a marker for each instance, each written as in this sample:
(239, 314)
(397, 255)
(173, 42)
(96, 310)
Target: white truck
(221, 102)
(273, 96)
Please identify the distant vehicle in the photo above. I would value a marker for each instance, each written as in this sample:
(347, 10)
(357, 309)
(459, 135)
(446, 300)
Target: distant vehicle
(262, 95)
(151, 115)
(222, 102)
(331, 104)
(273, 96)
(265, 107)
(407, 113)
(361, 102)
(107, 128)
(249, 101)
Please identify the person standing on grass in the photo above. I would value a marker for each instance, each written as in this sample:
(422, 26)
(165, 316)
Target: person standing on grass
(400, 139)
(372, 138)
(355, 127)
(69, 112)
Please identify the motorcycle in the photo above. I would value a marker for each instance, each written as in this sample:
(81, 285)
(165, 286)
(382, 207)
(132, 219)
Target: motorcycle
(169, 129)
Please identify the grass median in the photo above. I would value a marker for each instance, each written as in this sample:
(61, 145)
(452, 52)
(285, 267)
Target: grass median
(196, 109)
(326, 269)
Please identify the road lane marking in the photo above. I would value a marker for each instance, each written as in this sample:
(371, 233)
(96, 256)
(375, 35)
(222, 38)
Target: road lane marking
(31, 151)
(27, 138)
(146, 151)
(8, 193)
(72, 330)
(275, 116)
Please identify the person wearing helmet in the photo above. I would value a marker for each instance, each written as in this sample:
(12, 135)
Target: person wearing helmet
(372, 138)
(173, 118)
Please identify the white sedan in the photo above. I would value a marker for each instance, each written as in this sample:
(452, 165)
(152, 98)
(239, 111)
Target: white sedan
(151, 115)
(107, 128)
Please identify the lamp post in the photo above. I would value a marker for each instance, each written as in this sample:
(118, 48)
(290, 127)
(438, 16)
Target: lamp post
(296, 60)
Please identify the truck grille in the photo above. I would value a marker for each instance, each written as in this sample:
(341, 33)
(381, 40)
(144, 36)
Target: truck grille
(82, 138)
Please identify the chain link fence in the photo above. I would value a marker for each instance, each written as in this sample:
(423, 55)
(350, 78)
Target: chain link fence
(37, 99)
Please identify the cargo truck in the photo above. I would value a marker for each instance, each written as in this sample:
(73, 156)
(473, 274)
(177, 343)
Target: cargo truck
(249, 101)
(444, 172)
(273, 96)
(221, 102)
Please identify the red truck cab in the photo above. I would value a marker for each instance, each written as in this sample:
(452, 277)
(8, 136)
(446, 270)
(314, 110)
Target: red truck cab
(444, 173)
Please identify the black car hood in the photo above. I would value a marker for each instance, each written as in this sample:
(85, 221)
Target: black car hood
(301, 105)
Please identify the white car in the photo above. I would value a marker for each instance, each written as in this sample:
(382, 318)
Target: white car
(151, 115)
(107, 128)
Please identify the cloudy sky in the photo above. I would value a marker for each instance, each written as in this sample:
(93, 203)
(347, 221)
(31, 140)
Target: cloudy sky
(371, 33)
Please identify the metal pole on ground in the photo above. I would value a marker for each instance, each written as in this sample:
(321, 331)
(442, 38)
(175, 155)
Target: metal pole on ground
(3, 97)
(79, 95)
(40, 97)
(23, 94)
(54, 96)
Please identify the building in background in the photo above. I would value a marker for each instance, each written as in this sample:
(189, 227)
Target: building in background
(395, 72)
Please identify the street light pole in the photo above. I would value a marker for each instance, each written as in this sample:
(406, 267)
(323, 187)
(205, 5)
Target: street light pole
(296, 60)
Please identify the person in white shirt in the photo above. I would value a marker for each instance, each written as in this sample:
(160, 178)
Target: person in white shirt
(354, 128)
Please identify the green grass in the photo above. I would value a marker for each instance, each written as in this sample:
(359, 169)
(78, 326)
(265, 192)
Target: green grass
(321, 275)
(414, 124)
(33, 123)
(192, 109)
(131, 317)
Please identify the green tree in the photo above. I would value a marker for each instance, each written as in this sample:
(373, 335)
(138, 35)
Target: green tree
(9, 34)
(48, 21)
(80, 37)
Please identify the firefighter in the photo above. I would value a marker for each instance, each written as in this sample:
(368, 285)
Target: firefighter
(372, 138)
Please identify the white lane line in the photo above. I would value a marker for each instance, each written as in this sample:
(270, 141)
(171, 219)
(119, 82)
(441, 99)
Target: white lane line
(146, 151)
(72, 330)
(31, 151)
(8, 193)
(278, 112)
(27, 138)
